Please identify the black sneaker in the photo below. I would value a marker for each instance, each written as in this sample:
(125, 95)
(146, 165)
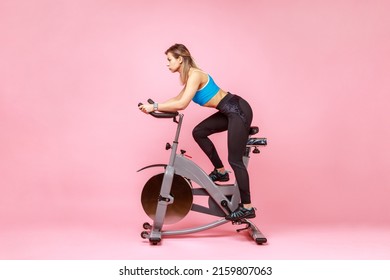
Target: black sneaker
(241, 213)
(221, 177)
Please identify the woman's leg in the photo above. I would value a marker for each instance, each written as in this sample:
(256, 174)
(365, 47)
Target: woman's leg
(237, 139)
(217, 122)
(240, 119)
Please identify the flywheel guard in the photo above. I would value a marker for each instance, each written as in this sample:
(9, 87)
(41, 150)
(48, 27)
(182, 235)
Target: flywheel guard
(181, 191)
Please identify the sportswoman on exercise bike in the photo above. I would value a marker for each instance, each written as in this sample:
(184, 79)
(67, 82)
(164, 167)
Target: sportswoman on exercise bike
(234, 115)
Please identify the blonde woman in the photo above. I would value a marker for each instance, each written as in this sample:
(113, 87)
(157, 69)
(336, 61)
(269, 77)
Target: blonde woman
(233, 114)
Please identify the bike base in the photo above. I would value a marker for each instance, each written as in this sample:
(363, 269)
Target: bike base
(155, 236)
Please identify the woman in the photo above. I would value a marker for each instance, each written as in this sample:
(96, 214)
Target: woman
(234, 115)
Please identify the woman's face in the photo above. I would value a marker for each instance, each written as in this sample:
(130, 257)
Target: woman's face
(173, 63)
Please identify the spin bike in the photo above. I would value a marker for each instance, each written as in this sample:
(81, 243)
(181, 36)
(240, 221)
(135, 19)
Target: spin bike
(168, 197)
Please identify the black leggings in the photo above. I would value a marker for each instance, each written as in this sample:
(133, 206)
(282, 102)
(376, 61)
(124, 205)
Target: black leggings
(234, 115)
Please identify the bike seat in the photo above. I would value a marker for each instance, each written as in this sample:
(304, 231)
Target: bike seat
(253, 130)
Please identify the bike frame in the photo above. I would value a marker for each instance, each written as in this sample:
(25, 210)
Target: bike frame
(227, 197)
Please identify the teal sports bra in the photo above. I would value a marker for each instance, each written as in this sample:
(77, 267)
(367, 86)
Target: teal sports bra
(203, 95)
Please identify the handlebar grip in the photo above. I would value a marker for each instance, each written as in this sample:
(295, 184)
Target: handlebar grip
(164, 115)
(160, 115)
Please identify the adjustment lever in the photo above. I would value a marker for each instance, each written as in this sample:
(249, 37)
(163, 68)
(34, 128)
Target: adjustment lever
(239, 222)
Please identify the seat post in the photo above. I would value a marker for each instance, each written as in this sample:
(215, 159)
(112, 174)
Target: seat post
(176, 141)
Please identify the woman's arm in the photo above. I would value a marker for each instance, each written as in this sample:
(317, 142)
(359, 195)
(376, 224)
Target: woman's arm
(181, 101)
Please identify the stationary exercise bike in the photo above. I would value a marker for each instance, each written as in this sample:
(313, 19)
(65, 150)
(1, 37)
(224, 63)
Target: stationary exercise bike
(169, 196)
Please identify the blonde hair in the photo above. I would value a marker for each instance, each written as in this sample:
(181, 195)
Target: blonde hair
(178, 50)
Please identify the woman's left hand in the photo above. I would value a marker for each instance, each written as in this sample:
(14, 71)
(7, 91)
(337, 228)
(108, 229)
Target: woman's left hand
(146, 108)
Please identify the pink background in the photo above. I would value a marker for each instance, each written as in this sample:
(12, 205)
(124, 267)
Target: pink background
(72, 72)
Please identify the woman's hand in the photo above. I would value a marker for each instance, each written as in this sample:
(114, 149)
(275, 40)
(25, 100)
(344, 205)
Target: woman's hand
(146, 108)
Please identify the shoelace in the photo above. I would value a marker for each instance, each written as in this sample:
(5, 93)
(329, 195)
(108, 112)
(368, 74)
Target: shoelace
(240, 213)
(215, 174)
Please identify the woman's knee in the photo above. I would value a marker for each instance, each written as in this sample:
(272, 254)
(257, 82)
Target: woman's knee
(198, 132)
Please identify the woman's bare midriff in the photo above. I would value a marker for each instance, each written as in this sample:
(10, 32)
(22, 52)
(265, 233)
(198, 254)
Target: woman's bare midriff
(213, 102)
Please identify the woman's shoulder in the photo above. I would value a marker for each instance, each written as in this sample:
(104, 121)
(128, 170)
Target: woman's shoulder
(197, 71)
(198, 74)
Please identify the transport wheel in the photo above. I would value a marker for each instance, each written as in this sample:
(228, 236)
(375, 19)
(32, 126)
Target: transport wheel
(147, 226)
(144, 234)
(181, 191)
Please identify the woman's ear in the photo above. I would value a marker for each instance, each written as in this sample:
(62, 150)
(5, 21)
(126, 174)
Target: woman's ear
(180, 59)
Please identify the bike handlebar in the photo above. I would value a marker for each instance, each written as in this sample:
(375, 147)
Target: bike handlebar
(160, 115)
